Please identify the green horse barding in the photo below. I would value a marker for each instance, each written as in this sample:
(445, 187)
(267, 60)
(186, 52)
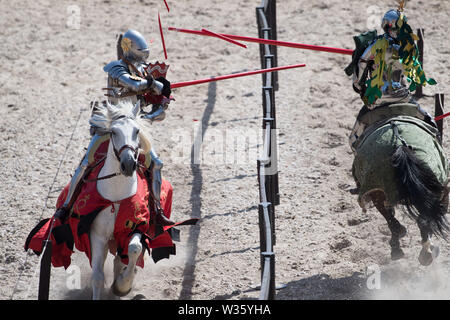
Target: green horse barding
(399, 161)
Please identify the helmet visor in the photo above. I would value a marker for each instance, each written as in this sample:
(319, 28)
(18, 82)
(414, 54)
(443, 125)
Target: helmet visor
(143, 54)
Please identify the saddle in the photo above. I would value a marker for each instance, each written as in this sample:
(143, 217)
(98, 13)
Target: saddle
(369, 120)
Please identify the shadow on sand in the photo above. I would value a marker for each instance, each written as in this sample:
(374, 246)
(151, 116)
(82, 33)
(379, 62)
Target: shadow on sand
(323, 287)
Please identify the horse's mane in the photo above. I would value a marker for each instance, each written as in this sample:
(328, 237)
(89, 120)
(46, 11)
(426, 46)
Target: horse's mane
(106, 113)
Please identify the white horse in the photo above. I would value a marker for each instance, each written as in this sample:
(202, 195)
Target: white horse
(123, 124)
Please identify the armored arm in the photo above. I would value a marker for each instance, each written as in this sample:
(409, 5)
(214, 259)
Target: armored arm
(137, 84)
(119, 72)
(365, 66)
(133, 83)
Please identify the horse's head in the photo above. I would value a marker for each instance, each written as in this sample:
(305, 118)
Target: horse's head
(125, 143)
(127, 139)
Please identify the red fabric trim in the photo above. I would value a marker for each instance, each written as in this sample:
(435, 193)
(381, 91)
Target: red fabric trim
(60, 252)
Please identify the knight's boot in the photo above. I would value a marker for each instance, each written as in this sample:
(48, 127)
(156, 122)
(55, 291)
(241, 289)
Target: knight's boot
(77, 180)
(156, 183)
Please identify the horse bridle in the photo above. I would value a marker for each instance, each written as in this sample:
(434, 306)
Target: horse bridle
(117, 154)
(124, 147)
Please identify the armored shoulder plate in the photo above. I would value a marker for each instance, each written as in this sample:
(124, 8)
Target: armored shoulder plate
(116, 68)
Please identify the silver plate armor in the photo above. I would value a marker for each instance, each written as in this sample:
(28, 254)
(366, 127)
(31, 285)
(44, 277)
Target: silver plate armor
(121, 80)
(128, 75)
(157, 165)
(134, 47)
(125, 76)
(389, 23)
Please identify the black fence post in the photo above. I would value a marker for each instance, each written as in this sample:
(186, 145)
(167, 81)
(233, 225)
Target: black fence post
(438, 111)
(274, 154)
(260, 35)
(262, 235)
(262, 238)
(268, 179)
(272, 20)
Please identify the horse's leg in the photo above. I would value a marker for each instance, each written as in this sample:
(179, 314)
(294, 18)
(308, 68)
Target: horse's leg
(397, 230)
(99, 250)
(119, 266)
(429, 251)
(123, 283)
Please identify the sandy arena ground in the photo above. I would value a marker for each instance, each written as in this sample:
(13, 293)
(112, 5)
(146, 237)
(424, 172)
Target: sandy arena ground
(53, 53)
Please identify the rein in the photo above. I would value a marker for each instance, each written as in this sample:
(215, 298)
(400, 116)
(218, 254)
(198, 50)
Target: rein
(117, 154)
(100, 178)
(103, 178)
(109, 175)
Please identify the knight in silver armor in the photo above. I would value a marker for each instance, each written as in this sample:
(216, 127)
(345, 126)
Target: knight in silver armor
(395, 88)
(128, 79)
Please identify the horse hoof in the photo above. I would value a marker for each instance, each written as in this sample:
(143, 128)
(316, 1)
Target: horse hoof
(397, 253)
(117, 292)
(426, 257)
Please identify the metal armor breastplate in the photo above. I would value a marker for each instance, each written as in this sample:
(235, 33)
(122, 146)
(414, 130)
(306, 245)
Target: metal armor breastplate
(115, 69)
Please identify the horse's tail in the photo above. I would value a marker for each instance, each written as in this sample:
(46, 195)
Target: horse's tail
(420, 191)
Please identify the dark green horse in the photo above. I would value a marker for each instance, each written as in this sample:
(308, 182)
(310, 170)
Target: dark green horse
(399, 161)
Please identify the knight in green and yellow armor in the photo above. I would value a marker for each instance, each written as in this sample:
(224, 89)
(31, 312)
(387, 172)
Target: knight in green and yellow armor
(386, 69)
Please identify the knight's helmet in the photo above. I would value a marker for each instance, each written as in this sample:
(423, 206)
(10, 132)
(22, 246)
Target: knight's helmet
(389, 23)
(133, 47)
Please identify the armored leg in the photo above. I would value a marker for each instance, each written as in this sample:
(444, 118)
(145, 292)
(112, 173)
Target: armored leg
(156, 167)
(77, 178)
(156, 183)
